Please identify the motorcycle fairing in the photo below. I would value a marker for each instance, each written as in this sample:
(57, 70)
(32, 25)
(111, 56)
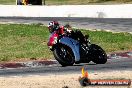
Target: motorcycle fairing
(73, 44)
(52, 39)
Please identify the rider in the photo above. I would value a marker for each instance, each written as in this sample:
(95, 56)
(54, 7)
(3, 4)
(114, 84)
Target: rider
(54, 26)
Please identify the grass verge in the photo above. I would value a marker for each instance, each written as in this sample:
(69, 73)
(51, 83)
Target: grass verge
(73, 2)
(25, 42)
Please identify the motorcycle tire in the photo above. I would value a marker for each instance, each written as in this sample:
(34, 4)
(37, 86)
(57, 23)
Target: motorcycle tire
(64, 55)
(97, 54)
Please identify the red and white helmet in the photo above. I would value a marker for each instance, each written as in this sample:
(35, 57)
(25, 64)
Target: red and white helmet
(53, 25)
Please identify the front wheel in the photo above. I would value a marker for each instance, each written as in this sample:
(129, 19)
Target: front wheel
(97, 54)
(64, 55)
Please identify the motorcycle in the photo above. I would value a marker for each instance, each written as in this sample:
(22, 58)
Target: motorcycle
(68, 50)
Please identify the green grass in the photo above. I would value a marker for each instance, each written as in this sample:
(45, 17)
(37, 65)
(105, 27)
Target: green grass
(85, 2)
(23, 41)
(20, 42)
(73, 2)
(111, 41)
(8, 2)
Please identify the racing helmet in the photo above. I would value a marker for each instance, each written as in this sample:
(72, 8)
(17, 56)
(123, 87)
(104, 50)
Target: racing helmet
(53, 25)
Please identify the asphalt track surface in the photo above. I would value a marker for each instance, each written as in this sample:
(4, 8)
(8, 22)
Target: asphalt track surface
(111, 65)
(124, 25)
(112, 24)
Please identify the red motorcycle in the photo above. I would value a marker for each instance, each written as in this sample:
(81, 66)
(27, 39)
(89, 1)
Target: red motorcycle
(68, 50)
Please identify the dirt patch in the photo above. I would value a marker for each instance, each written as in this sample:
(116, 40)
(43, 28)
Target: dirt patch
(61, 81)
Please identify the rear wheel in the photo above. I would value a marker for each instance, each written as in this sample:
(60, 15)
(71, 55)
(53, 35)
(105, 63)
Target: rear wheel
(97, 54)
(64, 55)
